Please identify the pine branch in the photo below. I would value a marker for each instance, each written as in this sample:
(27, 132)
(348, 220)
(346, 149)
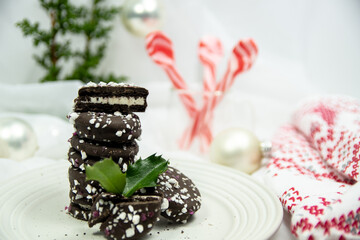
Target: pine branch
(60, 13)
(65, 19)
(111, 78)
(96, 28)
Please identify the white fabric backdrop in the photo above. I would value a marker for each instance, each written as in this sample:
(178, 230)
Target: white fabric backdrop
(318, 41)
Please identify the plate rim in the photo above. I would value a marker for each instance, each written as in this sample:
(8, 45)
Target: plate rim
(174, 161)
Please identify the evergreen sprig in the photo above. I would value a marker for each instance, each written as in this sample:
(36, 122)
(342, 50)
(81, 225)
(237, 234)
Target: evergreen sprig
(95, 26)
(66, 19)
(141, 174)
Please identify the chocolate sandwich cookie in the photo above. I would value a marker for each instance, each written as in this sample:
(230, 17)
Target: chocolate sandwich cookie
(79, 197)
(106, 127)
(125, 218)
(79, 211)
(110, 98)
(181, 197)
(78, 162)
(86, 147)
(82, 191)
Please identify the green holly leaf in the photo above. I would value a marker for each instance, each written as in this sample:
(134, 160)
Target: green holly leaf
(108, 174)
(144, 173)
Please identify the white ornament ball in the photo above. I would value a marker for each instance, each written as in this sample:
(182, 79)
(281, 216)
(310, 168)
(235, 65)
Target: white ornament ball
(141, 17)
(237, 148)
(17, 139)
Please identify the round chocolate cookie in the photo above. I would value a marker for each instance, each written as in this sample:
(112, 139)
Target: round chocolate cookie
(76, 160)
(111, 97)
(85, 147)
(104, 127)
(181, 197)
(125, 218)
(82, 191)
(80, 197)
(79, 211)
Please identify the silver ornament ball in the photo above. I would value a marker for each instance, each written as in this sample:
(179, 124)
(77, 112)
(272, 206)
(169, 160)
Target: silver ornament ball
(141, 17)
(17, 139)
(237, 148)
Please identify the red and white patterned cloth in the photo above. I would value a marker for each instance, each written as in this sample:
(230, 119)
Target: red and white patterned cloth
(315, 168)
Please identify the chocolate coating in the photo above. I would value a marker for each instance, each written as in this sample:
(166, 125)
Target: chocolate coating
(78, 162)
(82, 191)
(103, 127)
(83, 104)
(125, 218)
(85, 147)
(78, 211)
(181, 197)
(97, 107)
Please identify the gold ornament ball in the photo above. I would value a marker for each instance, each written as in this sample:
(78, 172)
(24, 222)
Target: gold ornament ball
(17, 139)
(237, 148)
(141, 17)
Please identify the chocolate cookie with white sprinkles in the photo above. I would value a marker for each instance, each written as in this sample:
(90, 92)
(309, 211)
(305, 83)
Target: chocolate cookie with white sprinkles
(80, 197)
(125, 213)
(106, 127)
(125, 218)
(181, 197)
(92, 148)
(111, 97)
(81, 212)
(81, 190)
(76, 160)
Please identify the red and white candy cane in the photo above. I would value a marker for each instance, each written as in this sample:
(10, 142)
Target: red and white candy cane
(210, 53)
(160, 50)
(242, 58)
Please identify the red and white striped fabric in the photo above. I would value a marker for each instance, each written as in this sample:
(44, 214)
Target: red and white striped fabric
(315, 168)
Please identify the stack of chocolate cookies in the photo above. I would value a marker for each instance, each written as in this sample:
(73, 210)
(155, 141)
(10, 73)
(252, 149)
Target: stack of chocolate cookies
(105, 127)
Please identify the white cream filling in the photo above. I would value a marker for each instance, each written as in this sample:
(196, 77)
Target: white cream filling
(111, 84)
(118, 100)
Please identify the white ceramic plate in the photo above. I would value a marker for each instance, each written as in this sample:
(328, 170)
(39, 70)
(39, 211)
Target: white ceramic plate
(234, 206)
